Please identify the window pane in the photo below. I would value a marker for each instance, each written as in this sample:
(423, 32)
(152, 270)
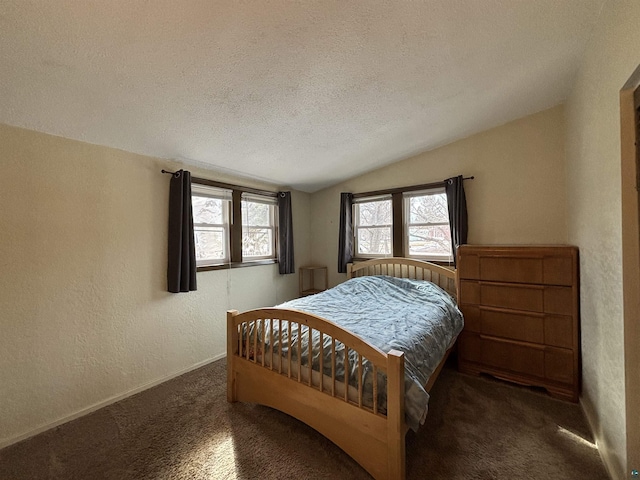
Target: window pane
(255, 213)
(257, 242)
(374, 241)
(210, 243)
(434, 241)
(374, 213)
(207, 210)
(429, 209)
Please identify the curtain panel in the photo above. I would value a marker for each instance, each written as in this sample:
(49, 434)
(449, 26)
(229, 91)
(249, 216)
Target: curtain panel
(285, 234)
(181, 264)
(457, 203)
(345, 241)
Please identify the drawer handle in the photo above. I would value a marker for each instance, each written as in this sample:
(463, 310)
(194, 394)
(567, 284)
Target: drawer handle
(512, 342)
(511, 311)
(530, 286)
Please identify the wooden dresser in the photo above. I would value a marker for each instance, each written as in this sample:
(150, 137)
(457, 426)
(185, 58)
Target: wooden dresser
(521, 313)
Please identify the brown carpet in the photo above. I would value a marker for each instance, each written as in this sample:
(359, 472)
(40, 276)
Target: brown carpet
(477, 428)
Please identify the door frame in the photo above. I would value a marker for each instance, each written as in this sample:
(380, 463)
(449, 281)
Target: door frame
(631, 266)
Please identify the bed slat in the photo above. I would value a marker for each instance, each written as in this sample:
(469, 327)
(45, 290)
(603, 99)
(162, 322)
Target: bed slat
(290, 347)
(333, 367)
(321, 360)
(299, 351)
(346, 373)
(359, 380)
(310, 359)
(264, 333)
(280, 345)
(375, 390)
(255, 341)
(271, 342)
(248, 349)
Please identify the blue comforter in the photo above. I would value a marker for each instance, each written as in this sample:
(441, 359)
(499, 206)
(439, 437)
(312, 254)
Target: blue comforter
(413, 316)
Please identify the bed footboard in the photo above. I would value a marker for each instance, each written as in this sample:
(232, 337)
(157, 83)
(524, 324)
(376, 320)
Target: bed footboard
(289, 375)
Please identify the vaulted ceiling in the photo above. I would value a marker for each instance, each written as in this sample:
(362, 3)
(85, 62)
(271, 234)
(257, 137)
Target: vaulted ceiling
(298, 93)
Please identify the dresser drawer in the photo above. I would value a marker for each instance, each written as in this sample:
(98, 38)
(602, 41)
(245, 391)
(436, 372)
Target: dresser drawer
(554, 330)
(503, 354)
(517, 297)
(549, 363)
(527, 327)
(511, 269)
(512, 325)
(540, 265)
(530, 298)
(514, 357)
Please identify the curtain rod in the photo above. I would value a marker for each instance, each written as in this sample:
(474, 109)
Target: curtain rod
(355, 195)
(228, 186)
(412, 188)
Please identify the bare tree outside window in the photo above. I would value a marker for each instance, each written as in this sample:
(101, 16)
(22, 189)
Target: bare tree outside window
(373, 223)
(210, 226)
(428, 232)
(258, 229)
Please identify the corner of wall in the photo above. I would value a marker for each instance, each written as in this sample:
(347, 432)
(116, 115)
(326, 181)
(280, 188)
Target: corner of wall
(613, 468)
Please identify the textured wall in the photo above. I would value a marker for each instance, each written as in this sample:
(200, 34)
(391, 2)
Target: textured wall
(518, 195)
(593, 154)
(84, 312)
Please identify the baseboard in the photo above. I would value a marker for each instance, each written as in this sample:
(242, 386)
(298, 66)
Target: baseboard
(610, 465)
(96, 406)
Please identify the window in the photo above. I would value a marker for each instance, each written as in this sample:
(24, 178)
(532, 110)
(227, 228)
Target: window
(372, 224)
(403, 222)
(233, 225)
(426, 233)
(258, 227)
(211, 224)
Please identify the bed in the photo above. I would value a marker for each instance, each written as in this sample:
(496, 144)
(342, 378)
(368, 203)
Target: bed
(348, 378)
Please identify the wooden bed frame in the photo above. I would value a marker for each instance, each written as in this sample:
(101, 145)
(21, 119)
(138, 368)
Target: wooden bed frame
(373, 438)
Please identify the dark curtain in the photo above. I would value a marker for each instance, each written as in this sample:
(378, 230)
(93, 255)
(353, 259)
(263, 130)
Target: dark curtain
(457, 203)
(285, 234)
(345, 242)
(181, 266)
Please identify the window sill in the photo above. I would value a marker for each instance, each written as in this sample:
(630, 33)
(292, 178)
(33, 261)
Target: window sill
(227, 266)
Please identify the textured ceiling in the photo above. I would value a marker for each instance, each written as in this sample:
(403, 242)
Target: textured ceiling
(299, 93)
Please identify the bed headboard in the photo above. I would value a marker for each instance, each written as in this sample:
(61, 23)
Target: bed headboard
(400, 267)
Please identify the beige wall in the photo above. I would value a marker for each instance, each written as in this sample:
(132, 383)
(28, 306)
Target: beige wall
(518, 195)
(85, 317)
(595, 214)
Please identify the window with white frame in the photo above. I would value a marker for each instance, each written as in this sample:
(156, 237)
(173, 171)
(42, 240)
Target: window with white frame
(426, 232)
(258, 227)
(210, 207)
(373, 226)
